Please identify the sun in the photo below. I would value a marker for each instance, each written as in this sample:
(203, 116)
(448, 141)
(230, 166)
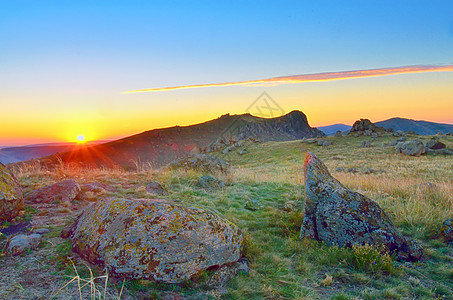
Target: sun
(80, 138)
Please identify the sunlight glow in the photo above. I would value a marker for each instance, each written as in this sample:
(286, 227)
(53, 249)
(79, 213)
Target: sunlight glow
(81, 138)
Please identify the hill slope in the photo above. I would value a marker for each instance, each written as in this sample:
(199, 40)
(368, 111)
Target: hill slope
(332, 129)
(419, 127)
(160, 146)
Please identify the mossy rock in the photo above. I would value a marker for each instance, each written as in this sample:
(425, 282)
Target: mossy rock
(338, 216)
(154, 239)
(11, 195)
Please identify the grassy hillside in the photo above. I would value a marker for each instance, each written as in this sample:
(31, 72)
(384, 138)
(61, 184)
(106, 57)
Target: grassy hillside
(271, 176)
(419, 127)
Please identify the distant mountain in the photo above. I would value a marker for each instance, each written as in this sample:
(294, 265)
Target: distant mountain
(160, 146)
(332, 129)
(22, 153)
(419, 127)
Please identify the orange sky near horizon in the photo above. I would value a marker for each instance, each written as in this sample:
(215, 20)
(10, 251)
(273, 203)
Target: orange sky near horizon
(416, 96)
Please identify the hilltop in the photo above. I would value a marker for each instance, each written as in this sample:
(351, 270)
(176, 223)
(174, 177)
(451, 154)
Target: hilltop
(419, 127)
(160, 146)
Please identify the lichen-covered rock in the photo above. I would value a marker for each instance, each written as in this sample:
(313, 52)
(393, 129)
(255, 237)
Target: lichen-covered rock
(63, 191)
(156, 188)
(154, 239)
(412, 148)
(446, 231)
(22, 243)
(208, 182)
(11, 195)
(338, 216)
(201, 162)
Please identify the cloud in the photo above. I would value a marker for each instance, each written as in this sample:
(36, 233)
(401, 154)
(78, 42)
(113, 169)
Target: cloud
(327, 76)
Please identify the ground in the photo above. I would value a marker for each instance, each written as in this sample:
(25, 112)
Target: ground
(415, 192)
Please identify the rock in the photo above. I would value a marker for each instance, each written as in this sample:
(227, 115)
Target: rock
(156, 188)
(338, 133)
(352, 170)
(22, 243)
(41, 231)
(399, 133)
(435, 145)
(338, 216)
(11, 195)
(95, 187)
(311, 141)
(201, 162)
(446, 231)
(401, 139)
(209, 182)
(253, 205)
(340, 169)
(228, 149)
(225, 273)
(323, 142)
(243, 151)
(368, 171)
(384, 145)
(393, 143)
(366, 144)
(365, 127)
(63, 191)
(154, 239)
(412, 148)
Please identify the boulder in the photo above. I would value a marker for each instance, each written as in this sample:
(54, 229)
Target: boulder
(201, 162)
(446, 231)
(11, 195)
(435, 145)
(338, 216)
(63, 191)
(23, 243)
(338, 133)
(154, 239)
(208, 182)
(412, 148)
(366, 144)
(156, 188)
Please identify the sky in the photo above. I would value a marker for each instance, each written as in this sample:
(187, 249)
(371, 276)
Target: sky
(66, 67)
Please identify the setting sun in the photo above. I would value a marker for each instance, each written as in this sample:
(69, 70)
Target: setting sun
(80, 138)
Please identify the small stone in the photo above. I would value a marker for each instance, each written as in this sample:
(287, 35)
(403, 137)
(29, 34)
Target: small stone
(41, 231)
(243, 151)
(156, 188)
(210, 182)
(253, 205)
(446, 230)
(22, 243)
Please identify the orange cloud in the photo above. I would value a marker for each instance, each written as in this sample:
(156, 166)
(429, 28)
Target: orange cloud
(327, 76)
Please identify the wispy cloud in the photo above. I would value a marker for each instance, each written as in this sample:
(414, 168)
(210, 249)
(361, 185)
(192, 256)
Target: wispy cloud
(327, 76)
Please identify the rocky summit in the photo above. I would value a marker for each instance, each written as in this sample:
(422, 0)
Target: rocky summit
(338, 216)
(154, 239)
(11, 195)
(365, 127)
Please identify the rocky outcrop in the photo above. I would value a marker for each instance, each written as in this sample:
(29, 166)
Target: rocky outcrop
(365, 127)
(201, 162)
(11, 195)
(63, 191)
(338, 216)
(154, 239)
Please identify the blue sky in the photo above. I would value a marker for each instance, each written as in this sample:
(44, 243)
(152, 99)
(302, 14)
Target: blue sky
(65, 63)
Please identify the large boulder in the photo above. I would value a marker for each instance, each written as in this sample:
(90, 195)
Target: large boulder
(412, 148)
(11, 195)
(203, 163)
(338, 216)
(63, 191)
(435, 145)
(154, 239)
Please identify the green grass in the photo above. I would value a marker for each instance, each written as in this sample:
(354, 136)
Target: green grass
(283, 266)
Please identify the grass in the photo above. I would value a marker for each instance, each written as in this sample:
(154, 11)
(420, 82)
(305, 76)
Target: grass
(282, 266)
